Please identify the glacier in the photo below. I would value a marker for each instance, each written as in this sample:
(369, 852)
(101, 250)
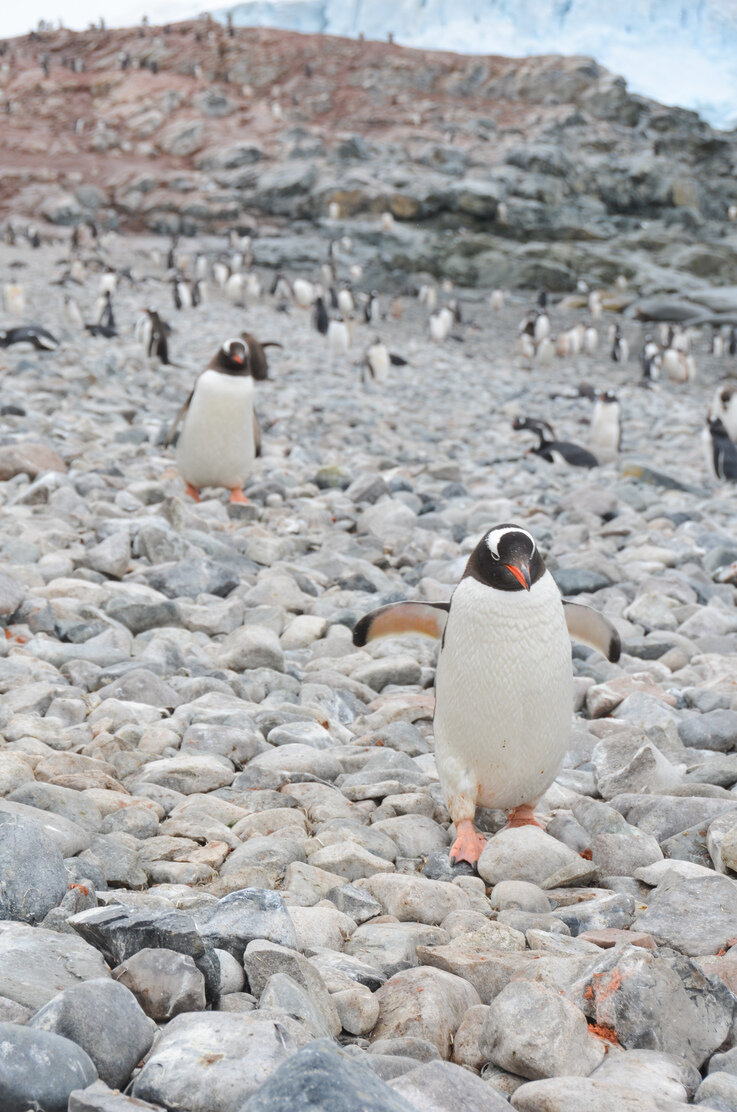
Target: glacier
(682, 53)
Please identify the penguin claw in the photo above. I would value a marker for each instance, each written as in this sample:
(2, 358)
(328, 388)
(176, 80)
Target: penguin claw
(468, 845)
(192, 492)
(238, 496)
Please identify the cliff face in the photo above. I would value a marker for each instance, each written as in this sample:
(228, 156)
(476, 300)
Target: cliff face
(496, 169)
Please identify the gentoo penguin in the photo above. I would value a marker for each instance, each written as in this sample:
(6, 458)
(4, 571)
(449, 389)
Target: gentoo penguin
(504, 681)
(281, 287)
(371, 308)
(606, 429)
(590, 340)
(338, 337)
(387, 222)
(104, 310)
(304, 292)
(440, 323)
(732, 214)
(333, 211)
(732, 341)
(14, 298)
(320, 317)
(72, 311)
(721, 453)
(253, 285)
(428, 296)
(234, 289)
(650, 351)
(717, 344)
(181, 292)
(552, 450)
(724, 408)
(220, 273)
(377, 360)
(32, 334)
(217, 445)
(595, 306)
(152, 331)
(496, 300)
(257, 361)
(345, 300)
(620, 348)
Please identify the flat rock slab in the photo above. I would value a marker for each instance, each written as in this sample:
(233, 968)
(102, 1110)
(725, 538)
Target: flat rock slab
(36, 963)
(696, 915)
(213, 1061)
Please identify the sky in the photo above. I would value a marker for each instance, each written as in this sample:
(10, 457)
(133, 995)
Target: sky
(19, 18)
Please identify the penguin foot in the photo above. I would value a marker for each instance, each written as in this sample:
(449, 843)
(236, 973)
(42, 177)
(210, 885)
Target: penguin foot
(237, 495)
(523, 816)
(469, 844)
(192, 492)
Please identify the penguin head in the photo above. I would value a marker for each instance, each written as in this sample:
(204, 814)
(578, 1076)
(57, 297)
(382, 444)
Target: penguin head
(233, 358)
(608, 397)
(506, 558)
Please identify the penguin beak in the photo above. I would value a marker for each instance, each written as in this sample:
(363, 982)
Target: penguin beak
(237, 358)
(521, 574)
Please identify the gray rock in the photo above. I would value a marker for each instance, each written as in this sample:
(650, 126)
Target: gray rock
(163, 982)
(324, 1078)
(283, 993)
(719, 1091)
(532, 1031)
(576, 581)
(33, 877)
(98, 1097)
(523, 853)
(444, 1087)
(105, 1020)
(717, 729)
(190, 578)
(39, 1069)
(518, 895)
(238, 918)
(650, 1072)
(617, 910)
(36, 963)
(213, 1061)
(263, 960)
(657, 1002)
(445, 1000)
(581, 1094)
(669, 915)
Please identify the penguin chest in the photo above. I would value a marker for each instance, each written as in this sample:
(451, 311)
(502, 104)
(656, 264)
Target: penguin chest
(216, 445)
(504, 693)
(605, 428)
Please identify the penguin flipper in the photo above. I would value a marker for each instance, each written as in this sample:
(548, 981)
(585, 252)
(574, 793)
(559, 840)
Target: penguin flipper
(591, 628)
(427, 618)
(175, 424)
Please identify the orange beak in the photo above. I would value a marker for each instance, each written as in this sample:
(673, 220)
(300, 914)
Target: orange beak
(522, 575)
(237, 358)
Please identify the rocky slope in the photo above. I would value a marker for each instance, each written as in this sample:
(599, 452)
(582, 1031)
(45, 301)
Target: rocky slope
(498, 171)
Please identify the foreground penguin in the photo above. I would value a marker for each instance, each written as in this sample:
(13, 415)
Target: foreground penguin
(720, 452)
(504, 680)
(217, 444)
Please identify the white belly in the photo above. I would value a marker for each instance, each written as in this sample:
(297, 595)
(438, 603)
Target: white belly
(504, 694)
(605, 429)
(216, 443)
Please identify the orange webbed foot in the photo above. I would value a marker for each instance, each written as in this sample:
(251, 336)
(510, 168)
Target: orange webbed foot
(469, 844)
(193, 492)
(237, 495)
(523, 816)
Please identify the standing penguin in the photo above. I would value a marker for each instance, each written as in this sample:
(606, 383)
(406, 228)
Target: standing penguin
(377, 360)
(606, 427)
(338, 337)
(320, 317)
(217, 445)
(724, 407)
(721, 453)
(620, 348)
(504, 681)
(371, 308)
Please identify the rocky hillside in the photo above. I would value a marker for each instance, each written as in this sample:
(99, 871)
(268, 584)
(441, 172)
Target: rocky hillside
(497, 170)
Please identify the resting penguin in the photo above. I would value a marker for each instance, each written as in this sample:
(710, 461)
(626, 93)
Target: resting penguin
(504, 681)
(217, 444)
(552, 450)
(32, 334)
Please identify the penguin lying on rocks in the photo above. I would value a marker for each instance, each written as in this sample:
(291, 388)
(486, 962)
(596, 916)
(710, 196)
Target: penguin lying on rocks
(33, 334)
(504, 679)
(554, 450)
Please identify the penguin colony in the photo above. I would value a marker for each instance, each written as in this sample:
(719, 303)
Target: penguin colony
(503, 685)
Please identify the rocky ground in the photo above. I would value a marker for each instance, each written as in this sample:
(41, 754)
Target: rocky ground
(225, 874)
(499, 171)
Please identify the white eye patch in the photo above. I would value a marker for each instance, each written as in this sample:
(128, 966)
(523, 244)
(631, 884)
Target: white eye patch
(495, 536)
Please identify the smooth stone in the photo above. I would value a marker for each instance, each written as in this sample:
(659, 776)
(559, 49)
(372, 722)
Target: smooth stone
(415, 899)
(534, 1032)
(34, 879)
(323, 1078)
(582, 1094)
(669, 916)
(70, 837)
(163, 982)
(445, 1000)
(36, 963)
(105, 1020)
(213, 1061)
(40, 1069)
(445, 1087)
(238, 918)
(523, 853)
(99, 1097)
